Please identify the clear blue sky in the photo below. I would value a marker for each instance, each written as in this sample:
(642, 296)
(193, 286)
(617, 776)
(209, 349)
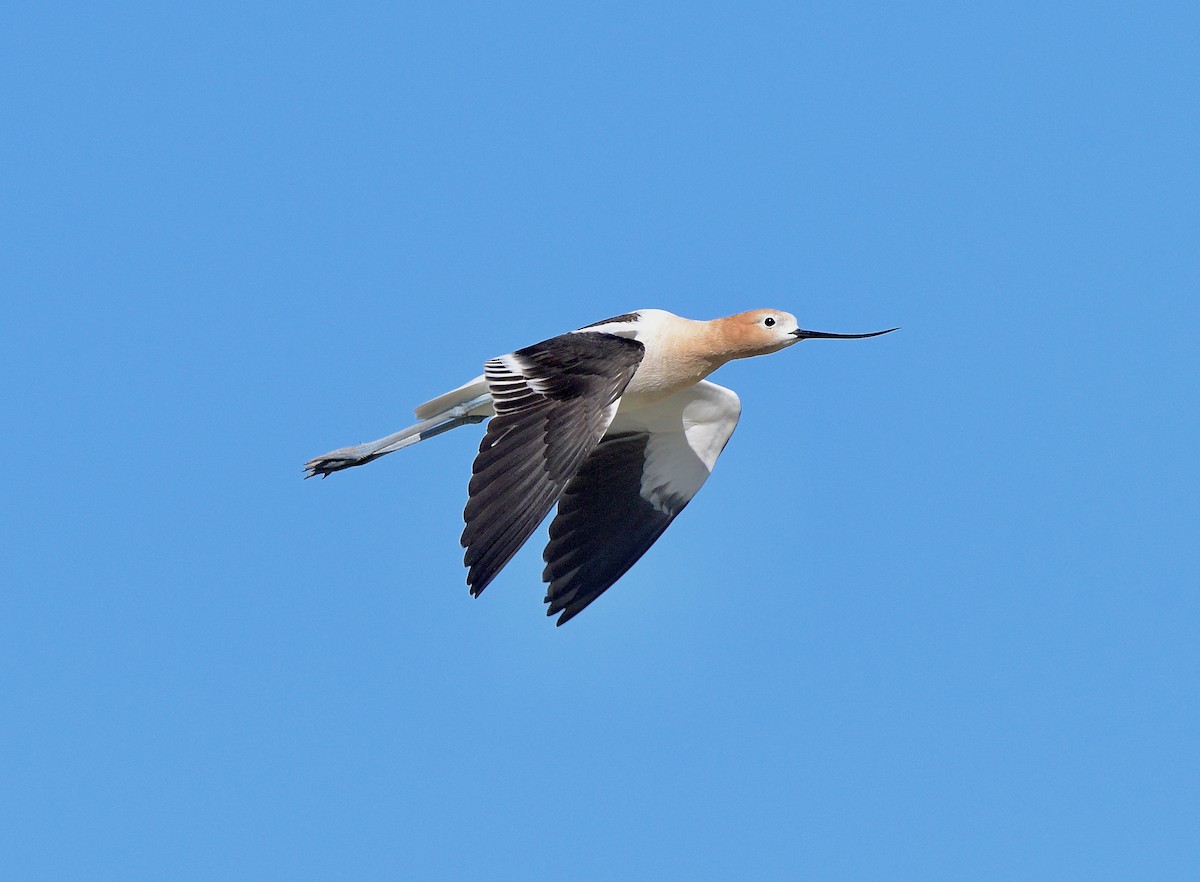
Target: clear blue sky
(935, 616)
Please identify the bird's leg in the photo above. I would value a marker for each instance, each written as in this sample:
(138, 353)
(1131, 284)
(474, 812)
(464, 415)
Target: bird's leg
(361, 454)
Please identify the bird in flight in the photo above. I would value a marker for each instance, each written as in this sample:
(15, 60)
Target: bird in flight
(614, 422)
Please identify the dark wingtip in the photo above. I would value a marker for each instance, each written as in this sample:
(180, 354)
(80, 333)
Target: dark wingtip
(559, 606)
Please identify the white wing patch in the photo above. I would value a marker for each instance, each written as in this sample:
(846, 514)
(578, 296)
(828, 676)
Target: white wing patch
(520, 368)
(688, 431)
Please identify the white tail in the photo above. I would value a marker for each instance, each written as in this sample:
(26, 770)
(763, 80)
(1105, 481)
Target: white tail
(454, 398)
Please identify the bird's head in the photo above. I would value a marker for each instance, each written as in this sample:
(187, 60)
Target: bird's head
(762, 331)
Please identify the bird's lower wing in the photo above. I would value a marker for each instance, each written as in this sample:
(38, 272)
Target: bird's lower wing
(553, 400)
(634, 483)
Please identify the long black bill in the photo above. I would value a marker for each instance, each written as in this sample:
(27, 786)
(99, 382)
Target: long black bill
(822, 335)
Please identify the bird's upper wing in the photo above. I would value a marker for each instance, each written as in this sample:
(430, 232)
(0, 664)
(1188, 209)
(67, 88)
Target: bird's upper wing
(639, 477)
(553, 400)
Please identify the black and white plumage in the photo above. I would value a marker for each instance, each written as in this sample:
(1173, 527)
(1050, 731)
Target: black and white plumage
(635, 482)
(614, 422)
(553, 402)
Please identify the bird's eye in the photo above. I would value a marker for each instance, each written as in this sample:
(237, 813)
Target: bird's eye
(769, 321)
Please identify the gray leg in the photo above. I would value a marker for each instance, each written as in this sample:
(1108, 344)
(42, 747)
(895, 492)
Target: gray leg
(361, 454)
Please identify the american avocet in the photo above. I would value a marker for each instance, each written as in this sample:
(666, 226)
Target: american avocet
(614, 422)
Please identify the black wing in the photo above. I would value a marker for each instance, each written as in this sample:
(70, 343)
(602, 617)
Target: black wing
(603, 526)
(553, 400)
(632, 486)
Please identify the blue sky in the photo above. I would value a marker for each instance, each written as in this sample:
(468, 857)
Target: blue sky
(935, 614)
